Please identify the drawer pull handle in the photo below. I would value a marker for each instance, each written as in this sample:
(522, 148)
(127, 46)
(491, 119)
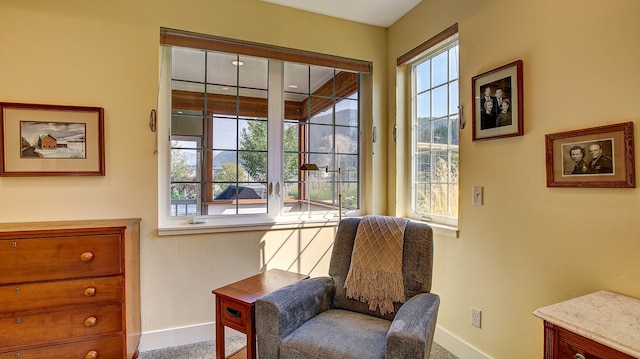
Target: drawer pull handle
(234, 313)
(14, 244)
(17, 289)
(86, 256)
(18, 320)
(17, 355)
(579, 356)
(91, 355)
(90, 322)
(90, 292)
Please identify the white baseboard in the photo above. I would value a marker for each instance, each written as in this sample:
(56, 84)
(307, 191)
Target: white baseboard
(456, 346)
(171, 337)
(165, 338)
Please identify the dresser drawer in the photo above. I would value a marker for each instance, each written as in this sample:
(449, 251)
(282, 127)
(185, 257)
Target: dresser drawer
(60, 326)
(569, 350)
(574, 346)
(95, 349)
(26, 260)
(25, 297)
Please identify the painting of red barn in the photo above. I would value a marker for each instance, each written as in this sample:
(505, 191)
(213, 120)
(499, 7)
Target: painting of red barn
(52, 140)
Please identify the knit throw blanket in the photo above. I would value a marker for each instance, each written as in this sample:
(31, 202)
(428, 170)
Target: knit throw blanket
(375, 273)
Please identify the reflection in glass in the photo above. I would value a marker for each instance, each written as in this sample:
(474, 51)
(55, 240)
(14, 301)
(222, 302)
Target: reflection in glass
(187, 65)
(296, 79)
(220, 70)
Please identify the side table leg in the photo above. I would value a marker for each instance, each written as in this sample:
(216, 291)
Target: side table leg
(219, 330)
(251, 335)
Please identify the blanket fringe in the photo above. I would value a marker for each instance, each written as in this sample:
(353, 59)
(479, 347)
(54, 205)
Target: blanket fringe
(369, 289)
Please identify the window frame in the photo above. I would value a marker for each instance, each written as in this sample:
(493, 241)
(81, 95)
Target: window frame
(239, 222)
(406, 63)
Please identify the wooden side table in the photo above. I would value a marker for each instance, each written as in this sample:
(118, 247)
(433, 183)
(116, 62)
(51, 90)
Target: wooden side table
(235, 305)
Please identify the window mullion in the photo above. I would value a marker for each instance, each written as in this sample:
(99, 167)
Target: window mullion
(275, 144)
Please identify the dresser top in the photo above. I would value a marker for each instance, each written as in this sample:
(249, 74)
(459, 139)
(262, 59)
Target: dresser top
(87, 223)
(605, 317)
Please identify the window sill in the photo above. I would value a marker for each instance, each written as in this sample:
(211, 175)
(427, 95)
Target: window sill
(209, 226)
(442, 229)
(449, 231)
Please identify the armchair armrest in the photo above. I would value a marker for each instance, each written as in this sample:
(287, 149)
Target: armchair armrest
(279, 313)
(412, 329)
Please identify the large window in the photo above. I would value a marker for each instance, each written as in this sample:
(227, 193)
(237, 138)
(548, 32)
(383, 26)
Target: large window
(434, 89)
(240, 128)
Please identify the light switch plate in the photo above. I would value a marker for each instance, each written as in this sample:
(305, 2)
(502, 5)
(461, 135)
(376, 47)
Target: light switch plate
(477, 195)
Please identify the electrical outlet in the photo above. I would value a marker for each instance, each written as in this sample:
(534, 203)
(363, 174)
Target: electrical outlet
(476, 317)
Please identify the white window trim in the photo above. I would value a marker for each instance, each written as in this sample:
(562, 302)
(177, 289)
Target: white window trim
(179, 225)
(441, 225)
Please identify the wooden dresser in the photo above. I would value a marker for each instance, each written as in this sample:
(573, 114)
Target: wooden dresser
(70, 289)
(600, 325)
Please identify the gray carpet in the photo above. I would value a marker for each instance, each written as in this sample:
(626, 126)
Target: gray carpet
(201, 350)
(207, 350)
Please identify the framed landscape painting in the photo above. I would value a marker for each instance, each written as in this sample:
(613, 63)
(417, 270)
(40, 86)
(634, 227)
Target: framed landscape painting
(51, 140)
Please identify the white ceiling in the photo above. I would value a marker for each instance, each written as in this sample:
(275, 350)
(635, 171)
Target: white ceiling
(381, 13)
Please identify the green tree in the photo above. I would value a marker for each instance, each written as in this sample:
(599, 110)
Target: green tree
(253, 144)
(181, 172)
(291, 150)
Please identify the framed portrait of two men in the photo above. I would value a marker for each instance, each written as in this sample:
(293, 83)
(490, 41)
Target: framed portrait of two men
(592, 157)
(497, 103)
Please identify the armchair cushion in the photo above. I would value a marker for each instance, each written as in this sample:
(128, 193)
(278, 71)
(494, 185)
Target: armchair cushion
(331, 334)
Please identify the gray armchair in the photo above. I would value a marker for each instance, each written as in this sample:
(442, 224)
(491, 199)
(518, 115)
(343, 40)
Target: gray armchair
(314, 318)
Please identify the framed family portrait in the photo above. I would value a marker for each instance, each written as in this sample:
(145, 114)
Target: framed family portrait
(51, 140)
(592, 157)
(497, 103)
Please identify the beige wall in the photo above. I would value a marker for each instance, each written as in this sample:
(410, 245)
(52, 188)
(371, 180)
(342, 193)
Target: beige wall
(529, 245)
(105, 53)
